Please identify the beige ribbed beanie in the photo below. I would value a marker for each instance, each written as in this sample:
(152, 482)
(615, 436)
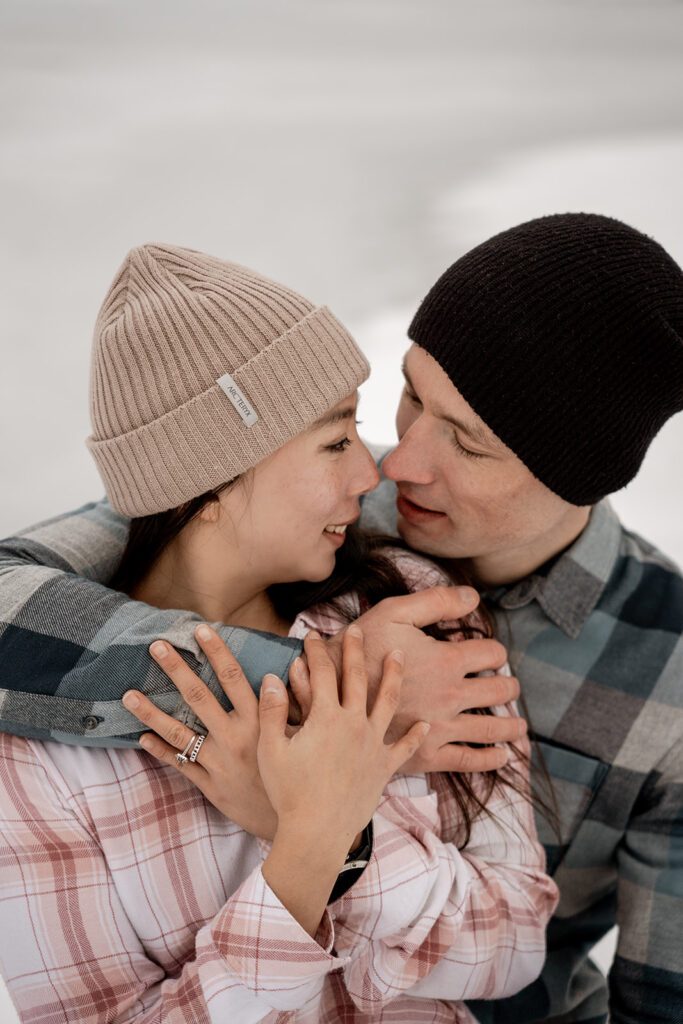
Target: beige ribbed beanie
(200, 369)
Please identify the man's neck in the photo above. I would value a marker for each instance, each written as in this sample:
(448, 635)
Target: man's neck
(503, 568)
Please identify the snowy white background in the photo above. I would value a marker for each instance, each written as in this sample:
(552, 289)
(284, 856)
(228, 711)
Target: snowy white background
(351, 148)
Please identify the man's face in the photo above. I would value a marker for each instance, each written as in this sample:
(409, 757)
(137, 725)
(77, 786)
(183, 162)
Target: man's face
(462, 493)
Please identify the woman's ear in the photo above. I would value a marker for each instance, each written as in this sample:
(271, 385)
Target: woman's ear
(210, 512)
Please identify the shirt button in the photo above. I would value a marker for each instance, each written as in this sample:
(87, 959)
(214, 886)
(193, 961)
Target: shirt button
(90, 722)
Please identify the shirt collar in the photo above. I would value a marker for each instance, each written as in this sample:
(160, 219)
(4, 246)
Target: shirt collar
(571, 588)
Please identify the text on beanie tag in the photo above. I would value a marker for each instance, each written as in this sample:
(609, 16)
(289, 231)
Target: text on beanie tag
(227, 384)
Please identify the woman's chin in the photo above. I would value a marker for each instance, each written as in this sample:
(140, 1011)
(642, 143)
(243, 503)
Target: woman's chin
(317, 576)
(320, 570)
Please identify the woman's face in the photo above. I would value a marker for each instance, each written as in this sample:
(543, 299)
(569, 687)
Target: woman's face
(287, 518)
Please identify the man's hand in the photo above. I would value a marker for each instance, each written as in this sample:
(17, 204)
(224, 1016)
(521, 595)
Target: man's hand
(437, 684)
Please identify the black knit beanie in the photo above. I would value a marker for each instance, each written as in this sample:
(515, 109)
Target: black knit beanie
(565, 335)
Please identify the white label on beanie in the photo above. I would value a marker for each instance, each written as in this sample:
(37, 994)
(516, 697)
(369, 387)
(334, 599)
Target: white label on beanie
(227, 384)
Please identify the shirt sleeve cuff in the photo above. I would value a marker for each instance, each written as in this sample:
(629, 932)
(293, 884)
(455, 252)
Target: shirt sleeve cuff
(265, 946)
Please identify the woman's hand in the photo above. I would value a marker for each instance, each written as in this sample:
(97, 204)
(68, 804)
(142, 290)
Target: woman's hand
(325, 781)
(226, 769)
(334, 768)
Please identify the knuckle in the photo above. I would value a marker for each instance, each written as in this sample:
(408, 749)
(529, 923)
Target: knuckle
(196, 692)
(391, 696)
(466, 759)
(491, 729)
(229, 673)
(444, 597)
(176, 735)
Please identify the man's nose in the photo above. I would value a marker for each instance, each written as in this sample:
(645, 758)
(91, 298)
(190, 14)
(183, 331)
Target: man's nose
(410, 460)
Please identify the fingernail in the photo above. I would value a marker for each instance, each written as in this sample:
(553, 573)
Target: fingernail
(158, 650)
(399, 656)
(203, 632)
(131, 699)
(270, 684)
(313, 634)
(298, 666)
(469, 595)
(146, 742)
(354, 630)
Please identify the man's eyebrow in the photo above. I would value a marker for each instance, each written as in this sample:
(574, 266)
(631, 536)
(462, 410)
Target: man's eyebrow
(479, 434)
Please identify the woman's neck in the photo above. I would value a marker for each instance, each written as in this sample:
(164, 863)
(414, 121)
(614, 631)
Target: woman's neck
(191, 577)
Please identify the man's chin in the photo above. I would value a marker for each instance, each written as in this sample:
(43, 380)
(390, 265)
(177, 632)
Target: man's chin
(418, 537)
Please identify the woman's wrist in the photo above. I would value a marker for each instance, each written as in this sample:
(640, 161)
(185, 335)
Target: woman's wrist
(312, 841)
(301, 868)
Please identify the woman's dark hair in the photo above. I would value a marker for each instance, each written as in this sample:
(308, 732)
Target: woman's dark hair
(364, 567)
(150, 535)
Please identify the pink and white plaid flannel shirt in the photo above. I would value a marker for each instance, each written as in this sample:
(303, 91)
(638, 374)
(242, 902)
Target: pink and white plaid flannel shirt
(126, 897)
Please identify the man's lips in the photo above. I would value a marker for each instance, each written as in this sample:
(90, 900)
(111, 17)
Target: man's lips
(415, 513)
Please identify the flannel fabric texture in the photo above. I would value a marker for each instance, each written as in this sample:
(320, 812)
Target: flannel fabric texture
(595, 640)
(126, 895)
(596, 643)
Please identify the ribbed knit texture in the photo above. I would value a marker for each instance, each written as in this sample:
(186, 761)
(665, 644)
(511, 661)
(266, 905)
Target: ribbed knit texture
(173, 322)
(565, 335)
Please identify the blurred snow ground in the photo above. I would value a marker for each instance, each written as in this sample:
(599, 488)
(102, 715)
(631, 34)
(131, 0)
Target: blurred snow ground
(350, 149)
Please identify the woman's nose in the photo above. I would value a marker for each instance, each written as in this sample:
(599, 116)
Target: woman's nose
(367, 476)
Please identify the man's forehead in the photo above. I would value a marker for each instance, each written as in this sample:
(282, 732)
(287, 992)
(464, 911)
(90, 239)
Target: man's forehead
(433, 385)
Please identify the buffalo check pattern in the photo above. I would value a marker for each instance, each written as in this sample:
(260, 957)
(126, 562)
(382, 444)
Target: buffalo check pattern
(596, 642)
(126, 896)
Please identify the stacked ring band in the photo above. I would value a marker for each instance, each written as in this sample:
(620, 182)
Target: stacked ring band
(197, 747)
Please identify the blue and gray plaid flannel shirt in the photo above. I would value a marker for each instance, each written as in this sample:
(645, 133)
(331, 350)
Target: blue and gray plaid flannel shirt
(596, 643)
